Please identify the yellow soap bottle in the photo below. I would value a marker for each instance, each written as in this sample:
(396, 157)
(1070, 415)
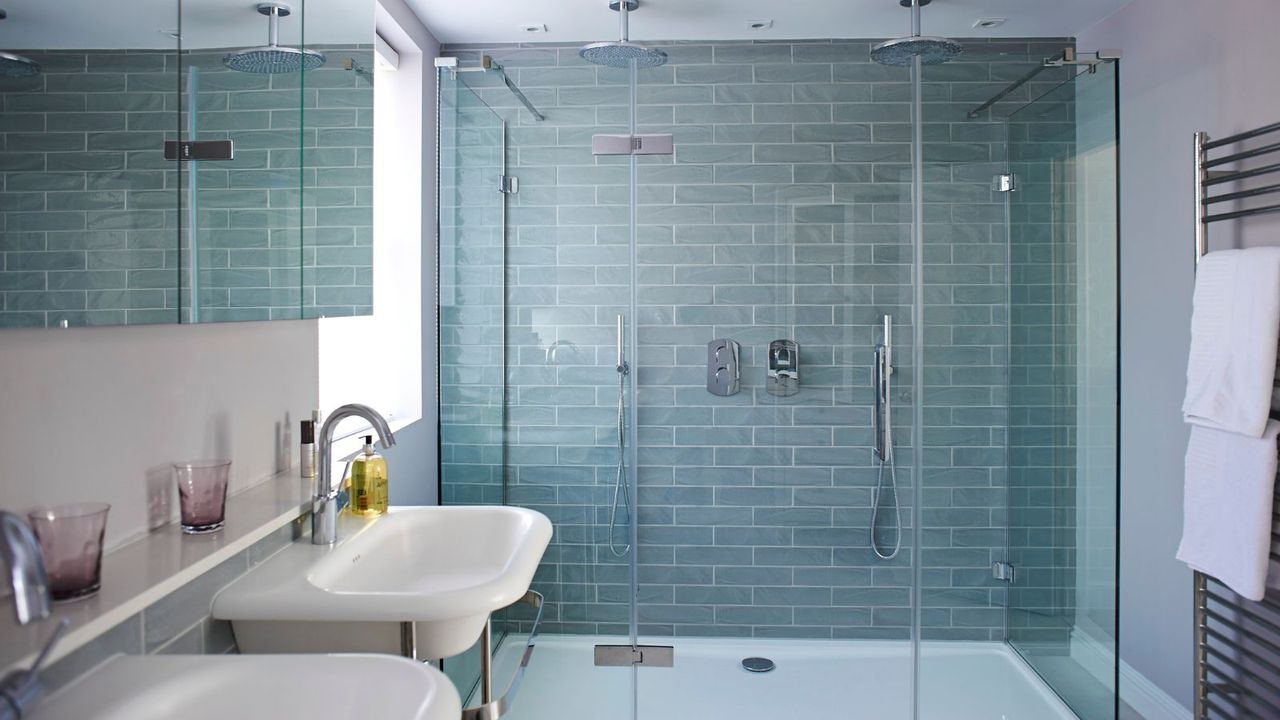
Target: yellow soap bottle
(369, 482)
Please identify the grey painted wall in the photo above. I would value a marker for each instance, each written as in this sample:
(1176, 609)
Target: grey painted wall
(1187, 66)
(784, 213)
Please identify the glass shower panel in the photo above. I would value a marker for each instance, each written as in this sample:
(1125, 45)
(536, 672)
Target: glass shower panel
(472, 369)
(783, 215)
(1007, 488)
(1062, 423)
(567, 280)
(241, 239)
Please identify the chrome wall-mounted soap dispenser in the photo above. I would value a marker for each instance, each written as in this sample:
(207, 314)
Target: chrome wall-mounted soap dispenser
(783, 374)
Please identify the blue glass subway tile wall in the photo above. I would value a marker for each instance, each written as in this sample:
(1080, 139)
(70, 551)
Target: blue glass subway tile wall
(91, 230)
(785, 213)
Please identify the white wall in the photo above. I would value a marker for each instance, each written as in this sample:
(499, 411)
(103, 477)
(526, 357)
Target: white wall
(99, 413)
(1188, 65)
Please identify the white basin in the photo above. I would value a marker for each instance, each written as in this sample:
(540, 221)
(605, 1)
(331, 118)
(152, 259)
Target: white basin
(443, 568)
(259, 687)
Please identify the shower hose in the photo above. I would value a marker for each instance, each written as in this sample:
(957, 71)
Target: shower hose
(620, 480)
(877, 503)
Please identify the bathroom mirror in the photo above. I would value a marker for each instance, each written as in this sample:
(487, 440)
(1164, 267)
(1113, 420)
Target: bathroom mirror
(222, 174)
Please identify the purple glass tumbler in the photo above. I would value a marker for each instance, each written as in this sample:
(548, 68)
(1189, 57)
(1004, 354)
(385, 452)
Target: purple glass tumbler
(70, 539)
(202, 494)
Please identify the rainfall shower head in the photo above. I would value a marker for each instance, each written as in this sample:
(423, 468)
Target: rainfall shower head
(902, 51)
(273, 58)
(623, 53)
(16, 66)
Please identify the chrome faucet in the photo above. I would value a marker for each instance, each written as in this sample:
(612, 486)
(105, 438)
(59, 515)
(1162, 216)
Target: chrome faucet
(21, 689)
(27, 575)
(324, 502)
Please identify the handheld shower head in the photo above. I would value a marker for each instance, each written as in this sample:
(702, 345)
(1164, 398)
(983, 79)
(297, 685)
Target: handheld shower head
(273, 58)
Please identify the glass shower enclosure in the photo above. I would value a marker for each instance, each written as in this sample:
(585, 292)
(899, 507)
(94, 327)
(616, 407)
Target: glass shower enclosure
(710, 524)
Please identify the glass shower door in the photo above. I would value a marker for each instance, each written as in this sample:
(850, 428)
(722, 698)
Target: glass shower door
(1064, 364)
(471, 253)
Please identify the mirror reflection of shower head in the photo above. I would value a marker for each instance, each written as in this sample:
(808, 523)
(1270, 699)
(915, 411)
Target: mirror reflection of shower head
(621, 53)
(902, 51)
(16, 66)
(273, 58)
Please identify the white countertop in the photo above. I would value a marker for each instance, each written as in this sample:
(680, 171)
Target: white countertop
(141, 571)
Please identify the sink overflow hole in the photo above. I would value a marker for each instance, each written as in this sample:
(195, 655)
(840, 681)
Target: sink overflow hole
(757, 664)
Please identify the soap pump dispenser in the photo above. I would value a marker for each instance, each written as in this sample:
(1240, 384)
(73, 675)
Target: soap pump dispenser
(369, 482)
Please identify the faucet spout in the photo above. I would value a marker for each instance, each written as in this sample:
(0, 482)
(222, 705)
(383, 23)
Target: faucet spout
(27, 574)
(324, 501)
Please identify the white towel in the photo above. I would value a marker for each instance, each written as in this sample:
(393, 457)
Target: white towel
(1235, 326)
(1226, 506)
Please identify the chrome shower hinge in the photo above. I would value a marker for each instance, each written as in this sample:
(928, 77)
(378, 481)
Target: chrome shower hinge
(508, 184)
(1004, 182)
(1003, 571)
(624, 655)
(643, 144)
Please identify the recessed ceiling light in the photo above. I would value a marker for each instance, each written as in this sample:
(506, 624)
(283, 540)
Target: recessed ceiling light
(534, 28)
(759, 24)
(988, 23)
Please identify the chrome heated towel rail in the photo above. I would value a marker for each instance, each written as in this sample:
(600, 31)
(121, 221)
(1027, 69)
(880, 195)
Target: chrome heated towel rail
(1237, 641)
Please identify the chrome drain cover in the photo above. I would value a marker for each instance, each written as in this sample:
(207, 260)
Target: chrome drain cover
(757, 664)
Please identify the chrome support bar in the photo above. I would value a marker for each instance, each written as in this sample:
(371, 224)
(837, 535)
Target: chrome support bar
(488, 64)
(1068, 57)
(494, 709)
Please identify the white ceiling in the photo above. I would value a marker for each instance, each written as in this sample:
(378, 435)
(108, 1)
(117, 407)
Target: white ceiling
(458, 21)
(136, 24)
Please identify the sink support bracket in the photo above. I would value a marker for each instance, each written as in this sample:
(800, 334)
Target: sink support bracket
(493, 709)
(486, 662)
(409, 640)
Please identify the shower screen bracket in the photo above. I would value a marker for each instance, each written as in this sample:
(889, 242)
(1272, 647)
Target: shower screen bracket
(651, 144)
(186, 150)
